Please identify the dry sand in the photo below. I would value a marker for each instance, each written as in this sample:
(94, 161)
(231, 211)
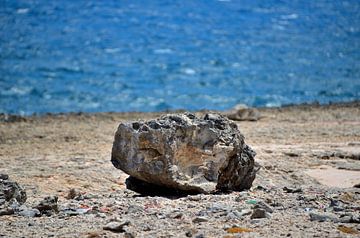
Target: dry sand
(313, 151)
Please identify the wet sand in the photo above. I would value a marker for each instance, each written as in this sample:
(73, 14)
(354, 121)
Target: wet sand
(51, 154)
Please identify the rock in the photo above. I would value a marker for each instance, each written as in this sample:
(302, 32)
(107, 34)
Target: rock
(116, 226)
(242, 113)
(292, 190)
(345, 219)
(323, 217)
(265, 206)
(355, 219)
(134, 209)
(185, 153)
(74, 194)
(200, 236)
(259, 213)
(75, 211)
(200, 219)
(189, 234)
(48, 205)
(175, 215)
(29, 212)
(10, 191)
(4, 176)
(6, 211)
(244, 212)
(129, 235)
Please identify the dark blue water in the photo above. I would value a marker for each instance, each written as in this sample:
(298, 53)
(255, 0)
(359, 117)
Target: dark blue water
(60, 56)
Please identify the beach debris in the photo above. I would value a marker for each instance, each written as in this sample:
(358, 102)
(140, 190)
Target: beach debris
(184, 152)
(238, 230)
(241, 112)
(347, 230)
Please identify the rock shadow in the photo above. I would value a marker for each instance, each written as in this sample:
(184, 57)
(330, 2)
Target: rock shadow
(153, 190)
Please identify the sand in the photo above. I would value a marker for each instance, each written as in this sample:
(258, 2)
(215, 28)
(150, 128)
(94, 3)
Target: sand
(312, 148)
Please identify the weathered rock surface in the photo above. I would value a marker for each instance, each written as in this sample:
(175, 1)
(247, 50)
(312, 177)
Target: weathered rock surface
(243, 113)
(10, 191)
(187, 153)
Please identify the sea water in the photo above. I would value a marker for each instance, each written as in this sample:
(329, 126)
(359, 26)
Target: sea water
(61, 56)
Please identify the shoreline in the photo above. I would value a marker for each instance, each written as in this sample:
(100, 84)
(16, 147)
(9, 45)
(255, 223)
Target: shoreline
(10, 117)
(52, 154)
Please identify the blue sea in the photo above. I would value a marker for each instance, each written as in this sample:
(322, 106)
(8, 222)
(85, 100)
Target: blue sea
(129, 55)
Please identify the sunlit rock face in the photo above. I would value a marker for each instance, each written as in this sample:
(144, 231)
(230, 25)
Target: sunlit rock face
(186, 153)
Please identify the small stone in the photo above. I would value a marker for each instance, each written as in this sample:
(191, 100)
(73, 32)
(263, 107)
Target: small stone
(30, 213)
(189, 234)
(145, 227)
(4, 176)
(73, 193)
(242, 112)
(134, 209)
(355, 219)
(129, 235)
(259, 213)
(48, 205)
(200, 219)
(218, 208)
(76, 211)
(200, 236)
(115, 226)
(175, 215)
(345, 219)
(6, 211)
(323, 217)
(244, 212)
(292, 190)
(265, 206)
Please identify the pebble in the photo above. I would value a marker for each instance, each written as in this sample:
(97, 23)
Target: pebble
(175, 215)
(244, 212)
(30, 213)
(6, 211)
(345, 219)
(200, 219)
(292, 190)
(259, 213)
(323, 217)
(48, 205)
(134, 209)
(115, 226)
(75, 212)
(265, 206)
(74, 194)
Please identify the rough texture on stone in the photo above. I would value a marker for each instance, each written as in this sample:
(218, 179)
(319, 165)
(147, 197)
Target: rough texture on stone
(243, 113)
(10, 191)
(185, 153)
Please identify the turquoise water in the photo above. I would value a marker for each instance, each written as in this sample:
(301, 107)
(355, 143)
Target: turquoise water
(61, 56)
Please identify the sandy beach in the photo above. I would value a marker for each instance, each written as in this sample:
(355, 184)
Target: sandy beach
(309, 178)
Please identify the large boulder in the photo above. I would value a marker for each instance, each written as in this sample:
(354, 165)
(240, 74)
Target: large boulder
(185, 153)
